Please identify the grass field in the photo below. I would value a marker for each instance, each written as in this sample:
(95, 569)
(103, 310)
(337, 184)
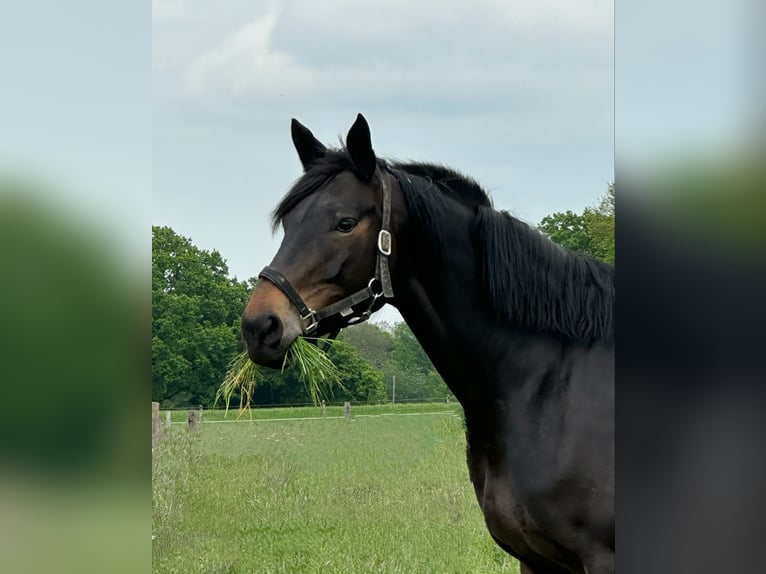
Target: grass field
(216, 415)
(387, 491)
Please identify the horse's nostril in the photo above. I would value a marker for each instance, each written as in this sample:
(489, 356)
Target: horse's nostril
(270, 330)
(264, 330)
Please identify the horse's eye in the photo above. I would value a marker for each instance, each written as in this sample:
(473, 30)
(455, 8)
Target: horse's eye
(346, 225)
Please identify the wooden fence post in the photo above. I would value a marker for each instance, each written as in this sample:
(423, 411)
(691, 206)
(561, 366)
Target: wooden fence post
(156, 424)
(168, 421)
(324, 408)
(192, 420)
(347, 409)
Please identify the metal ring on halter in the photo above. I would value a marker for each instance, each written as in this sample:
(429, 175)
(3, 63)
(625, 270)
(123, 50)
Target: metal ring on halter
(379, 284)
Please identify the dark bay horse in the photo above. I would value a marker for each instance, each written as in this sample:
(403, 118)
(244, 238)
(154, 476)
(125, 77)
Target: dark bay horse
(521, 330)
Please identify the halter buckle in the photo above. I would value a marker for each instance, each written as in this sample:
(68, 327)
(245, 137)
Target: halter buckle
(309, 322)
(384, 242)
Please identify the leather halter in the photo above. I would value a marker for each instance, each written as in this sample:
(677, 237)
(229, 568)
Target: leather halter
(378, 286)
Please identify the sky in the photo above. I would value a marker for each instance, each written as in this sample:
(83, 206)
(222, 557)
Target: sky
(518, 95)
(177, 112)
(76, 113)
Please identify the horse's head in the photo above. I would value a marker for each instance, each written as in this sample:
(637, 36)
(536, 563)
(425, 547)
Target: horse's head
(327, 272)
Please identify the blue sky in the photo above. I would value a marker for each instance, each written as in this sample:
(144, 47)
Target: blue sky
(518, 95)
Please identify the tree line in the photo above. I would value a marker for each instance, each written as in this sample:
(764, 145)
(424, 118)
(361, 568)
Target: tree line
(197, 306)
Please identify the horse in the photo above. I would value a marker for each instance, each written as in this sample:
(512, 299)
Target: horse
(520, 329)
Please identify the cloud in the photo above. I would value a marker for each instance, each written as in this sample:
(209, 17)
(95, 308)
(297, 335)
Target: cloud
(517, 93)
(246, 64)
(490, 53)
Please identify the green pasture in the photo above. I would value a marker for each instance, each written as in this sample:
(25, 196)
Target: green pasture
(386, 491)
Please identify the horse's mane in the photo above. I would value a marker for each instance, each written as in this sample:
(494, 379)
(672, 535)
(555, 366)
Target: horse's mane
(534, 282)
(530, 281)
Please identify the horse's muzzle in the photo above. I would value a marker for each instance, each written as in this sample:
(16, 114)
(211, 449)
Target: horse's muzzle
(263, 337)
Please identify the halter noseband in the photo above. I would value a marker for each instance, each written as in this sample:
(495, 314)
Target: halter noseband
(378, 286)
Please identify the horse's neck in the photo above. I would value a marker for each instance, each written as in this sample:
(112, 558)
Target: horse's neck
(440, 298)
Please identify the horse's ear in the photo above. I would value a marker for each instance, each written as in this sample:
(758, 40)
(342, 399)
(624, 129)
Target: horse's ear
(309, 148)
(359, 145)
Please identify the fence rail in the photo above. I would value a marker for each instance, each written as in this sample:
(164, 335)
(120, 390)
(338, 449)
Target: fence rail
(448, 399)
(194, 417)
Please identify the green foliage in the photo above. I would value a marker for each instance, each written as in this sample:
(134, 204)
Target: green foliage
(196, 310)
(372, 342)
(568, 229)
(599, 222)
(589, 233)
(415, 374)
(407, 353)
(397, 353)
(361, 380)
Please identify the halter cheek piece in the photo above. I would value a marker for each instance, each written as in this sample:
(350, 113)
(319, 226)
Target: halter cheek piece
(378, 286)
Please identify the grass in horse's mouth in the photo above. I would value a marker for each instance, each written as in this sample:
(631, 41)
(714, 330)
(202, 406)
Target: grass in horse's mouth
(315, 369)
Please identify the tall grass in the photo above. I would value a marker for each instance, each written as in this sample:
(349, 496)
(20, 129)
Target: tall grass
(315, 369)
(385, 494)
(241, 377)
(317, 372)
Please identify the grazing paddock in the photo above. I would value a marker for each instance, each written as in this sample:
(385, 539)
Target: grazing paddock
(386, 492)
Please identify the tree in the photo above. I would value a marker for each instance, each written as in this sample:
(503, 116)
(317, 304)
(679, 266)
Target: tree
(395, 352)
(568, 229)
(362, 381)
(599, 222)
(372, 342)
(416, 377)
(590, 233)
(196, 311)
(277, 387)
